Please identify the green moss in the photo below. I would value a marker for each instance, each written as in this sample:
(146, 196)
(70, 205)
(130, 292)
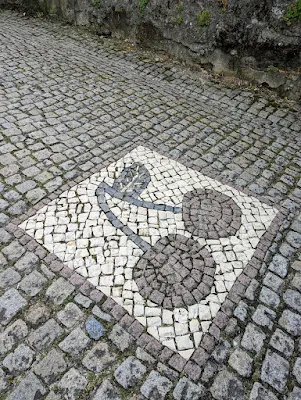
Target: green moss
(179, 20)
(293, 13)
(180, 7)
(204, 18)
(142, 6)
(96, 4)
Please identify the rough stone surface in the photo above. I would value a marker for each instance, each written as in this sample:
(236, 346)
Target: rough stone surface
(241, 362)
(94, 328)
(75, 343)
(19, 360)
(275, 370)
(33, 283)
(121, 338)
(106, 391)
(99, 358)
(227, 386)
(282, 342)
(253, 338)
(72, 384)
(29, 388)
(10, 304)
(291, 322)
(70, 315)
(204, 42)
(9, 277)
(186, 390)
(297, 370)
(156, 386)
(50, 367)
(59, 291)
(129, 372)
(45, 335)
(259, 392)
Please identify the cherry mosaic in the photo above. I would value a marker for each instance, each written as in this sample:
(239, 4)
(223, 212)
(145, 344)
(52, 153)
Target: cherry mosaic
(164, 241)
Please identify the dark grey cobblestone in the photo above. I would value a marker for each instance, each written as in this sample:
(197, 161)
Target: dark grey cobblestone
(71, 104)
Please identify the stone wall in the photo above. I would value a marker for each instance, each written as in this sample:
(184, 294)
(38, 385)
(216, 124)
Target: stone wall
(245, 37)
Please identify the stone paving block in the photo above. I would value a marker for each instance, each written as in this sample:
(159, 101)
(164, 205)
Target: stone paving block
(51, 366)
(253, 338)
(37, 313)
(94, 328)
(295, 394)
(59, 290)
(70, 315)
(241, 362)
(10, 304)
(241, 311)
(291, 322)
(33, 283)
(273, 282)
(293, 299)
(297, 370)
(156, 387)
(75, 343)
(251, 289)
(29, 388)
(294, 239)
(99, 358)
(130, 372)
(259, 392)
(121, 338)
(106, 391)
(5, 237)
(144, 356)
(100, 314)
(296, 281)
(167, 372)
(275, 370)
(264, 316)
(45, 335)
(269, 297)
(3, 261)
(279, 265)
(72, 384)
(282, 342)
(82, 300)
(13, 251)
(221, 351)
(187, 390)
(3, 381)
(227, 386)
(19, 360)
(27, 263)
(9, 277)
(12, 334)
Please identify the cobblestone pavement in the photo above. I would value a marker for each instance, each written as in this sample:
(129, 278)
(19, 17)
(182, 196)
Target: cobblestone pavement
(150, 228)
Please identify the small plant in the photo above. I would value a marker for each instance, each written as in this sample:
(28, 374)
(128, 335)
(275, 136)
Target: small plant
(204, 18)
(96, 4)
(180, 7)
(223, 4)
(142, 6)
(179, 19)
(293, 13)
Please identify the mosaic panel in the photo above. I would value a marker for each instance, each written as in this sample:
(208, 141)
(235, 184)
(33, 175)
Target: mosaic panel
(164, 241)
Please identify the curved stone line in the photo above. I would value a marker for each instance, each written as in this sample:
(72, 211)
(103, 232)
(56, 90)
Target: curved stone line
(104, 188)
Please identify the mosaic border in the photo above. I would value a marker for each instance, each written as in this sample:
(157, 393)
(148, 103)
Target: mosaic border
(194, 366)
